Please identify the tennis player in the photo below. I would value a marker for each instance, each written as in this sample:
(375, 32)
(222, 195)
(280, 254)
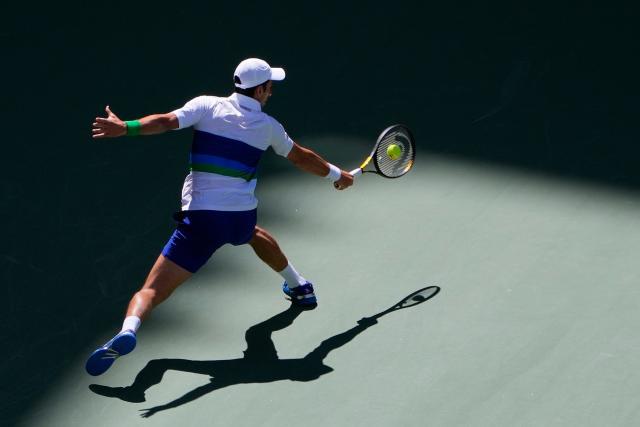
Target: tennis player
(218, 203)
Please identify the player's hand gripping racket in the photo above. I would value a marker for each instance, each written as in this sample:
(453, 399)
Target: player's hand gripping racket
(393, 154)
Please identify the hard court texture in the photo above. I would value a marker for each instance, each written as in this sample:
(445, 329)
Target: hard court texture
(534, 324)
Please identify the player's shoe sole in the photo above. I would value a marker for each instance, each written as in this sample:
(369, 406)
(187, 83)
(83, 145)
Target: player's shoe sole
(102, 359)
(301, 296)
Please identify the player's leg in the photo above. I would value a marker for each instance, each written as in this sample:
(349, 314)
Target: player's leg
(165, 276)
(188, 249)
(295, 286)
(268, 250)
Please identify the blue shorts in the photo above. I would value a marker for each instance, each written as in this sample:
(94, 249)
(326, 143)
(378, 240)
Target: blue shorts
(200, 233)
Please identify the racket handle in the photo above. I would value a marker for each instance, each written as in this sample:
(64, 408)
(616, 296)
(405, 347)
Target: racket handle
(356, 172)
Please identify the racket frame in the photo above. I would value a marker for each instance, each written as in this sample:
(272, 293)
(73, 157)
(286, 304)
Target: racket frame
(372, 156)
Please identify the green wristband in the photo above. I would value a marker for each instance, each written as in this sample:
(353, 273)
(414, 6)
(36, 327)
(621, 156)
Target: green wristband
(133, 127)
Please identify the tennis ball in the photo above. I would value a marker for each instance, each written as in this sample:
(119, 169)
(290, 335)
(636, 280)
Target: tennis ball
(394, 151)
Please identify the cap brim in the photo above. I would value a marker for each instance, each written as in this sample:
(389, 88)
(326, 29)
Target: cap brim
(277, 74)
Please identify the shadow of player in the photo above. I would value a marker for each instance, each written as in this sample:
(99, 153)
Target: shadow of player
(260, 363)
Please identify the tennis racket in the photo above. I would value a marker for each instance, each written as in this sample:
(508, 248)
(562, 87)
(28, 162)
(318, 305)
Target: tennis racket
(393, 154)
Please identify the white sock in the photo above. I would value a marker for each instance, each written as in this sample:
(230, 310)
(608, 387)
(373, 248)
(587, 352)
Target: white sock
(292, 277)
(131, 323)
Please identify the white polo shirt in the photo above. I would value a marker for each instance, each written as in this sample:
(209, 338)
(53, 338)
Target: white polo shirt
(230, 135)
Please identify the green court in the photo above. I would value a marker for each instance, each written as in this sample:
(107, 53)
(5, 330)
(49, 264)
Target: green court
(533, 324)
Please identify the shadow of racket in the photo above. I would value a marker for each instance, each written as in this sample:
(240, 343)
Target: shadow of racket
(411, 300)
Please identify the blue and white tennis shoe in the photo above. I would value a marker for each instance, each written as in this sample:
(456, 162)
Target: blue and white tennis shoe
(102, 359)
(302, 295)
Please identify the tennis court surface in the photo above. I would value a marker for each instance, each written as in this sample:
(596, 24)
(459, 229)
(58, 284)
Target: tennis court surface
(534, 324)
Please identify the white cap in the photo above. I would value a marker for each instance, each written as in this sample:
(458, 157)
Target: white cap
(253, 72)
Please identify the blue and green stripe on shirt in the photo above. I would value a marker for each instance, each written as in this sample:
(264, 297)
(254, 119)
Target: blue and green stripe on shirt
(224, 156)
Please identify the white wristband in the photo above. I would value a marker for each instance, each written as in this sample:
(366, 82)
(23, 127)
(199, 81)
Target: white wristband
(334, 173)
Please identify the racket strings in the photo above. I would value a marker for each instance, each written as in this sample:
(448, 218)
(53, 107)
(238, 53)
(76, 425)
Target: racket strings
(395, 167)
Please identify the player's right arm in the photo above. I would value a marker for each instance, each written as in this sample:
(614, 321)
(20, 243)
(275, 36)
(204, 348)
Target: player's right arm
(112, 127)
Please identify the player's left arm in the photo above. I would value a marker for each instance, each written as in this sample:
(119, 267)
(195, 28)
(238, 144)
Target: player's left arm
(112, 127)
(306, 159)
